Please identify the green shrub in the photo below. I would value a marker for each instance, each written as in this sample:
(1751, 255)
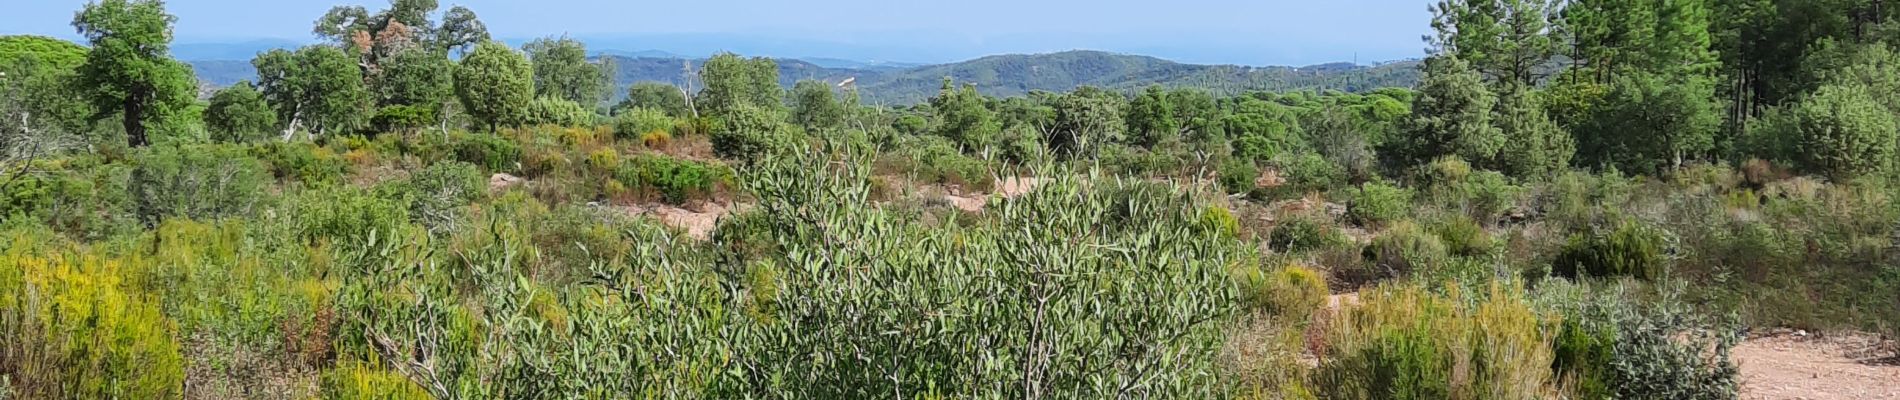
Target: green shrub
(558, 112)
(1221, 220)
(494, 153)
(1304, 234)
(345, 215)
(1611, 344)
(403, 118)
(437, 193)
(77, 327)
(1377, 204)
(1406, 342)
(1402, 250)
(1463, 237)
(1237, 176)
(302, 162)
(635, 124)
(1308, 172)
(1292, 291)
(750, 133)
(202, 182)
(677, 180)
(1632, 249)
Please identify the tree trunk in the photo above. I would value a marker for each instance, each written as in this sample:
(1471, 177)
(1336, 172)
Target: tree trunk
(134, 110)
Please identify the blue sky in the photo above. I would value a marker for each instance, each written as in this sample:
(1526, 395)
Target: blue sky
(1258, 32)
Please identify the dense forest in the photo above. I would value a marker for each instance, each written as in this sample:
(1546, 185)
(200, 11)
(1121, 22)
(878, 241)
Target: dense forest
(1580, 199)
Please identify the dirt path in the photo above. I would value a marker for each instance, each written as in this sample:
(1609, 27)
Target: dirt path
(1800, 366)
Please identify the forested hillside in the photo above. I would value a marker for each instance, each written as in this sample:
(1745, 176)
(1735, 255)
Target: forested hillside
(1594, 199)
(1002, 76)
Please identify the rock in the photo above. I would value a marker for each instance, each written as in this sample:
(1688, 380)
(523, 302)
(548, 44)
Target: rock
(502, 181)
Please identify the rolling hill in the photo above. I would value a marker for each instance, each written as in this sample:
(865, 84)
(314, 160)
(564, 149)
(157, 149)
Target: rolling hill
(1018, 74)
(1004, 75)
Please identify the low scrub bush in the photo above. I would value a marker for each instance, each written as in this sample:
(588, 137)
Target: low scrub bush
(1632, 249)
(345, 215)
(302, 162)
(1304, 233)
(637, 123)
(558, 112)
(437, 193)
(76, 328)
(1402, 250)
(1377, 204)
(491, 152)
(674, 179)
(1405, 342)
(1293, 291)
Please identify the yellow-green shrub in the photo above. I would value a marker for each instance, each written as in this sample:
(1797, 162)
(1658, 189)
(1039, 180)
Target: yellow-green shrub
(359, 380)
(1293, 291)
(74, 329)
(1406, 342)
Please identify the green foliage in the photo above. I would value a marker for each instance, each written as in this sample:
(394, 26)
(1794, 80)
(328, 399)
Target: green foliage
(1612, 346)
(403, 118)
(816, 108)
(1237, 176)
(636, 123)
(1533, 145)
(1308, 172)
(749, 133)
(1151, 117)
(962, 117)
(345, 216)
(1376, 204)
(561, 71)
(787, 312)
(558, 112)
(54, 53)
(492, 152)
(495, 85)
(677, 180)
(1304, 234)
(733, 83)
(657, 96)
(1087, 119)
(201, 182)
(316, 88)
(129, 69)
(1452, 117)
(1403, 250)
(239, 114)
(1292, 291)
(78, 327)
(1404, 342)
(437, 193)
(302, 162)
(1841, 132)
(1632, 249)
(418, 79)
(1648, 122)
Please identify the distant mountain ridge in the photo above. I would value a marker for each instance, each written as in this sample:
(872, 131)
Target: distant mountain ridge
(999, 75)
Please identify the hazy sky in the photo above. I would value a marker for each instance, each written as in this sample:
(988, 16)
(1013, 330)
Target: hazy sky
(1224, 31)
